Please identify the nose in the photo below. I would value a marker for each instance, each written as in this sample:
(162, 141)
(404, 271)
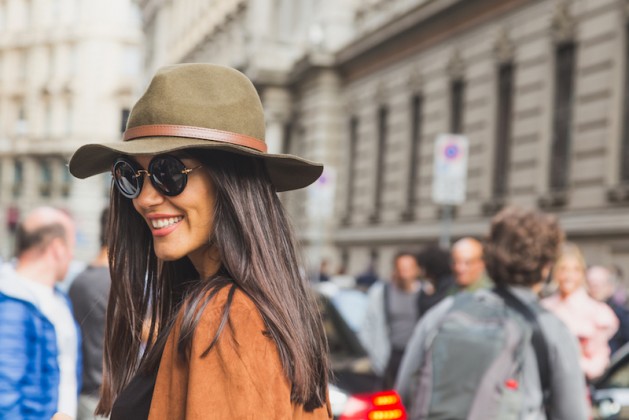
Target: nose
(149, 196)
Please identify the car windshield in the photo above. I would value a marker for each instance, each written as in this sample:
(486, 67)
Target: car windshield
(342, 311)
(352, 305)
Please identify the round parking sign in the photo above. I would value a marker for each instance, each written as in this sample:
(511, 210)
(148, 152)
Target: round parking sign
(451, 151)
(450, 169)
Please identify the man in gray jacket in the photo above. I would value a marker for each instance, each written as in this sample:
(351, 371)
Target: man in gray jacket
(519, 254)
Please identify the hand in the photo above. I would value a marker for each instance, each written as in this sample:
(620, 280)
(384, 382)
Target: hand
(61, 416)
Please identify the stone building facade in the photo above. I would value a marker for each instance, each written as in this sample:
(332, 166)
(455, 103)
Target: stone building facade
(68, 70)
(537, 86)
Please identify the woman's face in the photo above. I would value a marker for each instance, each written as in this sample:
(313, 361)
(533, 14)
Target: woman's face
(569, 275)
(181, 225)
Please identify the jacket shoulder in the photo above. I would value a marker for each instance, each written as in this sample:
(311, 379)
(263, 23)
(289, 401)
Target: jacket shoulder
(14, 309)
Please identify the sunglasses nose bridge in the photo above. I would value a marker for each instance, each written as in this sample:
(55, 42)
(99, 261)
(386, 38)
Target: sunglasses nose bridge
(142, 172)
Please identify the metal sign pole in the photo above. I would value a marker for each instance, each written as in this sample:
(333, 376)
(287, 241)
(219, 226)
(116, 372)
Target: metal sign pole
(446, 223)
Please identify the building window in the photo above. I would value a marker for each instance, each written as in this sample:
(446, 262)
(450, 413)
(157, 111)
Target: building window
(414, 155)
(624, 162)
(562, 121)
(51, 62)
(132, 61)
(287, 138)
(73, 66)
(45, 184)
(18, 178)
(502, 147)
(383, 114)
(21, 125)
(457, 92)
(66, 180)
(124, 117)
(28, 14)
(69, 118)
(48, 119)
(22, 59)
(351, 168)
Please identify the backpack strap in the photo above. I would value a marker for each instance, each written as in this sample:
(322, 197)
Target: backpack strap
(387, 305)
(540, 346)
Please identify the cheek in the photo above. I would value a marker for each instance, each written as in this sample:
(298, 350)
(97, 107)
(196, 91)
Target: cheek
(136, 206)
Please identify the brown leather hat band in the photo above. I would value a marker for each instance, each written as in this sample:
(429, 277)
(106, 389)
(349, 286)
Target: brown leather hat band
(169, 130)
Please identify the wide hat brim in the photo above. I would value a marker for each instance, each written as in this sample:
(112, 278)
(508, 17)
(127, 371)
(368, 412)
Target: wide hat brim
(287, 172)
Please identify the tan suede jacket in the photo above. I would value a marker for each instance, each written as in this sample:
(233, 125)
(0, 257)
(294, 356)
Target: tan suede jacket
(240, 378)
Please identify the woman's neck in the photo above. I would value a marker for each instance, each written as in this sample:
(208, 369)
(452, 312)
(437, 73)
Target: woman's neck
(207, 262)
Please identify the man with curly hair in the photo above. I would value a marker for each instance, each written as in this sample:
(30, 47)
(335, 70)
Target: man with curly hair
(519, 253)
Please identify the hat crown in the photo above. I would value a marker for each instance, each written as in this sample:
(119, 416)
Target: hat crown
(201, 95)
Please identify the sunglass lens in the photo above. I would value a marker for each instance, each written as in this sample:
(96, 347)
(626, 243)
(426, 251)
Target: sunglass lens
(126, 180)
(167, 175)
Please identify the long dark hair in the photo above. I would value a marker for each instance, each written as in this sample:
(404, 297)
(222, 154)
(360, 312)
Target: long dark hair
(258, 256)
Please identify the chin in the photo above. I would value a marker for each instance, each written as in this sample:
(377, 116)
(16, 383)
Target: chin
(166, 255)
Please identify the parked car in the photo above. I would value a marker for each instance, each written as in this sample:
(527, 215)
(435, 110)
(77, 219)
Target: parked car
(610, 393)
(355, 390)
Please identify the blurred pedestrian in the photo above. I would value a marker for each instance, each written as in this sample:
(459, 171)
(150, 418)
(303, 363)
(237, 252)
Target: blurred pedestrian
(200, 246)
(392, 312)
(39, 340)
(436, 268)
(468, 266)
(592, 322)
(601, 284)
(367, 278)
(620, 294)
(495, 353)
(323, 274)
(89, 294)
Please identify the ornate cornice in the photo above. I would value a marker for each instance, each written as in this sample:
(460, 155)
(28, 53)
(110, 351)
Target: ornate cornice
(504, 50)
(564, 24)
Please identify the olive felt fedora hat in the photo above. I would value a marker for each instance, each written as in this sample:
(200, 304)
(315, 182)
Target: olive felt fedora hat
(198, 106)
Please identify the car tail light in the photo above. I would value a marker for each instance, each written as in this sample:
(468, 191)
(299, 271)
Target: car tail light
(385, 405)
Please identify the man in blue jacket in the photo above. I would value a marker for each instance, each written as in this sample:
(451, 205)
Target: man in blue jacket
(39, 339)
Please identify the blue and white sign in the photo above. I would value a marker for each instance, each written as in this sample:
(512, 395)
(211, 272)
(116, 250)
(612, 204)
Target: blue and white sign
(450, 169)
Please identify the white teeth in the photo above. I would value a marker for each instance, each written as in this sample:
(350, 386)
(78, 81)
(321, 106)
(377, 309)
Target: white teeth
(162, 223)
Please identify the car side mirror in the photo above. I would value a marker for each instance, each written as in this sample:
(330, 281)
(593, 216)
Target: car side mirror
(607, 409)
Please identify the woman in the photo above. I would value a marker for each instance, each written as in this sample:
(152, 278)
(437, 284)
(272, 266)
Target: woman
(592, 322)
(201, 252)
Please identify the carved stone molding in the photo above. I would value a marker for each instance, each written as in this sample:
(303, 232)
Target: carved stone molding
(563, 24)
(456, 65)
(504, 50)
(350, 105)
(618, 193)
(554, 199)
(493, 205)
(380, 93)
(415, 80)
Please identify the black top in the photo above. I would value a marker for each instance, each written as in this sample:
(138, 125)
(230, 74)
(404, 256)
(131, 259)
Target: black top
(134, 402)
(89, 294)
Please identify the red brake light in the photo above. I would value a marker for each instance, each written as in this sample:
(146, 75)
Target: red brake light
(385, 405)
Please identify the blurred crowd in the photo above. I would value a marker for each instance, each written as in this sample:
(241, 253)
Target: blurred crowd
(51, 343)
(588, 298)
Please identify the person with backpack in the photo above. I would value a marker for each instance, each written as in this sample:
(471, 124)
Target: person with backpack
(495, 353)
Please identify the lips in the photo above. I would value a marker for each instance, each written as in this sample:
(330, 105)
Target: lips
(162, 223)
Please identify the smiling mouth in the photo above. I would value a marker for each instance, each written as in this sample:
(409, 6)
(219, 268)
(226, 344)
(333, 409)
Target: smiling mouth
(166, 222)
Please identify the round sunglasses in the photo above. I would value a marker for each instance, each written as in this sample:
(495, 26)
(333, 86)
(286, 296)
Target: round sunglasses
(168, 175)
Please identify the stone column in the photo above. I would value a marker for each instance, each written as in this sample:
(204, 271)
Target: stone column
(277, 104)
